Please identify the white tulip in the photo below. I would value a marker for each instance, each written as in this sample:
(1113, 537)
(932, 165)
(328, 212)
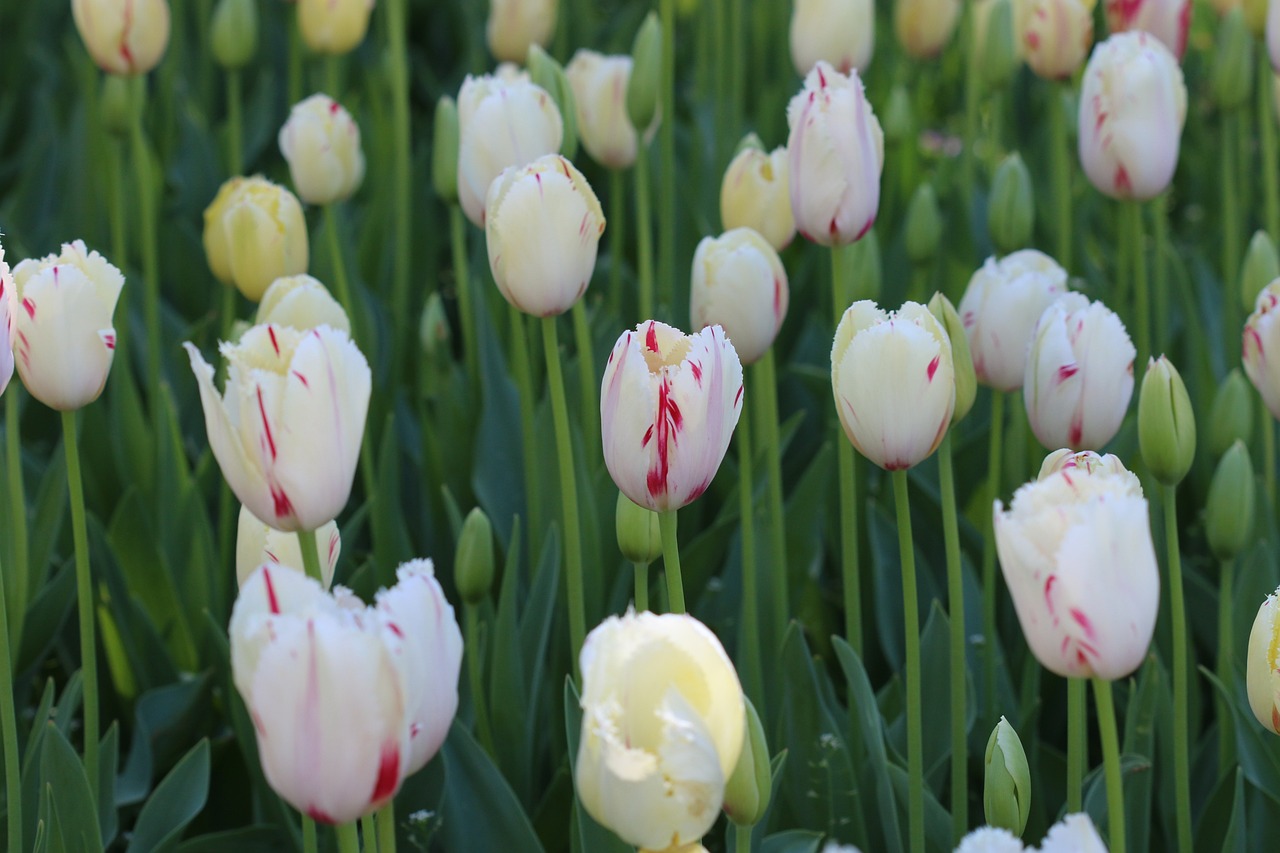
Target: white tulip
(258, 544)
(839, 32)
(756, 193)
(739, 283)
(321, 142)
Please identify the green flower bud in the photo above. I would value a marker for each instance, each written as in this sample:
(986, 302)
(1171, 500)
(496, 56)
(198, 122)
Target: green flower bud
(898, 121)
(1231, 415)
(1232, 71)
(235, 33)
(646, 73)
(746, 794)
(444, 151)
(1261, 267)
(1006, 792)
(473, 561)
(1000, 50)
(1228, 513)
(924, 225)
(966, 382)
(1166, 423)
(116, 107)
(1011, 208)
(549, 74)
(639, 537)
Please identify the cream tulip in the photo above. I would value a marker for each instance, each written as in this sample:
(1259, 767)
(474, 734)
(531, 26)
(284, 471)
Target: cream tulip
(669, 403)
(123, 36)
(61, 311)
(893, 381)
(990, 839)
(301, 302)
(333, 27)
(254, 233)
(841, 33)
(516, 25)
(8, 310)
(1075, 833)
(739, 283)
(257, 545)
(756, 193)
(924, 27)
(287, 430)
(599, 85)
(1262, 665)
(321, 143)
(836, 153)
(663, 722)
(1057, 36)
(1066, 459)
(1167, 20)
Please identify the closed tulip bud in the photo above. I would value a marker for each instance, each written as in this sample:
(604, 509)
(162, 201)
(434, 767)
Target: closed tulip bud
(1076, 553)
(1057, 36)
(1087, 461)
(124, 37)
(756, 194)
(543, 228)
(516, 25)
(287, 430)
(998, 45)
(1133, 103)
(1075, 833)
(444, 150)
(669, 403)
(550, 76)
(1167, 20)
(966, 382)
(333, 27)
(1262, 347)
(1000, 308)
(841, 33)
(1232, 73)
(643, 105)
(300, 302)
(893, 381)
(1231, 415)
(1079, 374)
(663, 723)
(8, 311)
(746, 796)
(836, 153)
(1228, 513)
(1262, 667)
(990, 839)
(115, 105)
(321, 142)
(739, 283)
(1006, 793)
(1011, 208)
(502, 124)
(924, 225)
(924, 27)
(255, 233)
(473, 560)
(600, 92)
(257, 545)
(234, 37)
(61, 308)
(899, 123)
(1166, 423)
(1261, 267)
(638, 531)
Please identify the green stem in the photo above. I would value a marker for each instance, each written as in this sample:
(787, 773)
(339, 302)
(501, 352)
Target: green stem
(911, 620)
(955, 597)
(1268, 454)
(667, 141)
(235, 152)
(1226, 656)
(402, 166)
(850, 517)
(671, 560)
(333, 77)
(1231, 228)
(568, 488)
(737, 58)
(1111, 763)
(752, 672)
(475, 677)
(369, 833)
(644, 233)
(295, 71)
(617, 240)
(1266, 120)
(310, 555)
(84, 601)
(524, 386)
(9, 727)
(995, 450)
(341, 283)
(387, 828)
(1077, 743)
(642, 586)
(972, 83)
(588, 385)
(741, 839)
(1160, 217)
(766, 394)
(462, 283)
(17, 528)
(1060, 144)
(115, 201)
(150, 258)
(1132, 211)
(1178, 616)
(348, 837)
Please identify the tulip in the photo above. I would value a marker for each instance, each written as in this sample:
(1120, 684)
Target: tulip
(502, 123)
(515, 25)
(1079, 374)
(287, 430)
(668, 405)
(1075, 548)
(961, 361)
(747, 793)
(321, 142)
(894, 382)
(1231, 415)
(473, 559)
(599, 85)
(644, 107)
(997, 39)
(254, 233)
(1087, 461)
(739, 283)
(1166, 423)
(1011, 205)
(836, 153)
(1075, 833)
(924, 27)
(756, 194)
(1229, 509)
(444, 150)
(550, 76)
(1262, 666)
(233, 35)
(333, 27)
(1167, 20)
(663, 723)
(990, 839)
(300, 302)
(61, 309)
(1006, 793)
(8, 311)
(923, 226)
(542, 230)
(1057, 36)
(1132, 106)
(1261, 346)
(123, 36)
(841, 33)
(257, 545)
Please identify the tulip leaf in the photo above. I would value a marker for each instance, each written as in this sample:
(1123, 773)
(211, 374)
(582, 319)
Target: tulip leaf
(50, 511)
(109, 759)
(792, 841)
(46, 614)
(174, 804)
(1259, 759)
(161, 716)
(247, 839)
(1139, 739)
(937, 822)
(498, 470)
(509, 693)
(480, 810)
(69, 702)
(73, 824)
(1132, 769)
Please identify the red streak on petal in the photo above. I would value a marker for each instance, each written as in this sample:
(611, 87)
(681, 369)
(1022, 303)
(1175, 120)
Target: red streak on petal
(667, 423)
(1083, 621)
(274, 344)
(648, 434)
(319, 816)
(1048, 595)
(303, 380)
(388, 772)
(1067, 371)
(333, 108)
(933, 367)
(697, 372)
(333, 546)
(266, 426)
(651, 337)
(1076, 432)
(822, 78)
(1122, 180)
(272, 602)
(30, 306)
(737, 398)
(395, 629)
(110, 341)
(1275, 719)
(282, 505)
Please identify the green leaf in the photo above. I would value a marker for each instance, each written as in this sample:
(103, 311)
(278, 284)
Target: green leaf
(162, 717)
(792, 841)
(1259, 759)
(247, 839)
(74, 823)
(174, 804)
(480, 810)
(508, 692)
(1139, 739)
(108, 759)
(69, 702)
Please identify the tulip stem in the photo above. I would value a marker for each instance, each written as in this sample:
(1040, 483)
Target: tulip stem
(1077, 742)
(644, 231)
(671, 560)
(994, 452)
(340, 281)
(850, 517)
(462, 284)
(754, 678)
(1226, 655)
(348, 837)
(1111, 763)
(17, 526)
(1231, 228)
(150, 259)
(589, 411)
(386, 824)
(84, 601)
(1160, 277)
(1132, 211)
(1268, 454)
(9, 725)
(524, 385)
(1178, 615)
(115, 201)
(642, 586)
(235, 154)
(475, 678)
(741, 839)
(911, 619)
(667, 245)
(568, 488)
(955, 595)
(1060, 144)
(1266, 118)
(310, 555)
(295, 61)
(401, 169)
(369, 834)
(766, 394)
(617, 240)
(972, 82)
(309, 840)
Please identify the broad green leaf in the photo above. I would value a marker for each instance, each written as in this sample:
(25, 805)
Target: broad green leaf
(162, 717)
(248, 839)
(480, 810)
(108, 760)
(1139, 739)
(174, 803)
(74, 822)
(792, 841)
(46, 615)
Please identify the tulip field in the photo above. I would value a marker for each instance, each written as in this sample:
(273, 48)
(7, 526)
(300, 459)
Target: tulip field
(688, 426)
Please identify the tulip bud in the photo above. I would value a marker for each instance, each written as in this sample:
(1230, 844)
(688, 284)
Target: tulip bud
(321, 142)
(1166, 423)
(999, 54)
(8, 310)
(115, 105)
(514, 26)
(1011, 207)
(899, 124)
(257, 544)
(1232, 71)
(756, 194)
(254, 233)
(841, 33)
(643, 105)
(924, 27)
(126, 37)
(924, 225)
(549, 75)
(746, 795)
(1057, 36)
(1167, 20)
(473, 560)
(1006, 794)
(234, 36)
(1262, 346)
(444, 151)
(1228, 513)
(1262, 667)
(966, 382)
(1075, 833)
(600, 92)
(301, 302)
(1231, 415)
(990, 839)
(639, 536)
(739, 283)
(1133, 103)
(1261, 267)
(333, 27)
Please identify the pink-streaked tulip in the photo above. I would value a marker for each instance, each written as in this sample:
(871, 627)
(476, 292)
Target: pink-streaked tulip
(1057, 36)
(516, 25)
(502, 122)
(257, 544)
(599, 85)
(1167, 20)
(739, 283)
(663, 721)
(61, 310)
(1133, 103)
(8, 307)
(321, 142)
(123, 36)
(893, 381)
(333, 27)
(1000, 308)
(1075, 548)
(542, 231)
(924, 27)
(756, 193)
(1090, 462)
(301, 302)
(1262, 665)
(287, 430)
(669, 403)
(1079, 374)
(836, 153)
(1075, 833)
(1262, 346)
(841, 33)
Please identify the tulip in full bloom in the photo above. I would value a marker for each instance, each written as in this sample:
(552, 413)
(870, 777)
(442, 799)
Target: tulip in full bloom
(839, 32)
(669, 403)
(123, 36)
(990, 839)
(1262, 667)
(61, 308)
(8, 307)
(287, 430)
(1057, 36)
(739, 283)
(836, 153)
(1262, 346)
(1079, 374)
(599, 85)
(258, 544)
(300, 302)
(756, 193)
(1075, 833)
(1167, 20)
(663, 722)
(254, 233)
(894, 382)
(333, 27)
(924, 27)
(542, 230)
(516, 25)
(321, 142)
(1133, 103)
